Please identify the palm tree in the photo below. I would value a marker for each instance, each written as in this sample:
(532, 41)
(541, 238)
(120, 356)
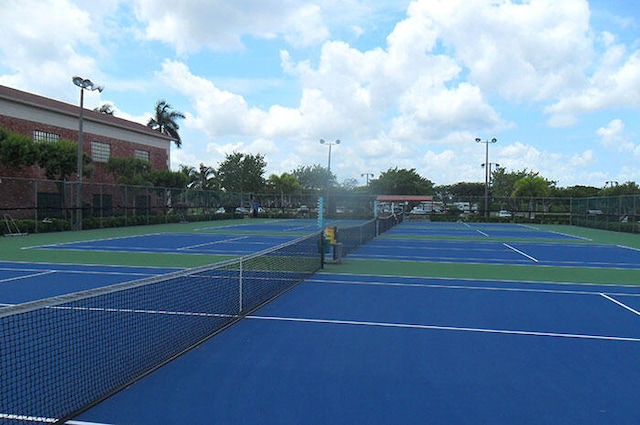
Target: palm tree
(284, 183)
(165, 121)
(199, 178)
(533, 186)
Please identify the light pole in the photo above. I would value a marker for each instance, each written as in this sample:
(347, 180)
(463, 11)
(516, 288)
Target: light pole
(324, 142)
(88, 85)
(490, 169)
(368, 175)
(486, 173)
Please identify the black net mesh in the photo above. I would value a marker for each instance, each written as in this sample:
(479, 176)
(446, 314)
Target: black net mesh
(354, 236)
(60, 355)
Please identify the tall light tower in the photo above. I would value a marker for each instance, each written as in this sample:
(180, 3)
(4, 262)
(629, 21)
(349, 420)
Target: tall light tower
(324, 142)
(367, 175)
(88, 85)
(486, 173)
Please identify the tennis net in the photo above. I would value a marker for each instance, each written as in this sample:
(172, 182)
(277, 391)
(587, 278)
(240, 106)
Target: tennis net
(353, 236)
(61, 355)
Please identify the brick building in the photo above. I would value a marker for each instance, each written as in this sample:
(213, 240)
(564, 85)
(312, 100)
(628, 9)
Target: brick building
(104, 136)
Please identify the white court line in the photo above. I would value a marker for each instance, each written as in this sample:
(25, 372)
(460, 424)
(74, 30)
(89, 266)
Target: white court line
(482, 233)
(535, 260)
(91, 241)
(212, 243)
(447, 328)
(621, 304)
(628, 247)
(477, 288)
(142, 311)
(27, 276)
(473, 287)
(26, 418)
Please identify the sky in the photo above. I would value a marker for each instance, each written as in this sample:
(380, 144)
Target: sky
(406, 84)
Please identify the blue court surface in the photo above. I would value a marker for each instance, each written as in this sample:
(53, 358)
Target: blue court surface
(186, 243)
(492, 252)
(24, 282)
(470, 231)
(355, 349)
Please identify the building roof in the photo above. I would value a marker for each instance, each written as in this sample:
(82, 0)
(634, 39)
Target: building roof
(45, 103)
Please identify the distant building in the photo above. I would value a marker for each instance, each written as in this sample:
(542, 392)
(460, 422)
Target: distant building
(104, 136)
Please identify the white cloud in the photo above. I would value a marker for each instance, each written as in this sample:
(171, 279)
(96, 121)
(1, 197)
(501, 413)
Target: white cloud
(435, 74)
(583, 159)
(521, 50)
(615, 83)
(45, 43)
(613, 137)
(222, 25)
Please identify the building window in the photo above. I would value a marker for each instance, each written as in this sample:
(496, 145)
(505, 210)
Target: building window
(141, 155)
(100, 152)
(43, 136)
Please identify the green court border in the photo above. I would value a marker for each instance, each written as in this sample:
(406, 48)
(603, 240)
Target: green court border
(16, 249)
(507, 272)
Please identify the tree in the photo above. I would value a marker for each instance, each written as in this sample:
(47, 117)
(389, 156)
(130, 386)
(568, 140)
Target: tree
(314, 178)
(349, 185)
(168, 179)
(532, 186)
(284, 184)
(466, 190)
(17, 151)
(165, 121)
(396, 181)
(503, 182)
(577, 191)
(105, 109)
(130, 171)
(202, 177)
(242, 173)
(627, 188)
(59, 159)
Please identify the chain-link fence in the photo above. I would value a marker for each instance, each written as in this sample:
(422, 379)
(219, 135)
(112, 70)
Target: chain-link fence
(618, 213)
(45, 205)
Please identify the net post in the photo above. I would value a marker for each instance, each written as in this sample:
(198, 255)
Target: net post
(320, 213)
(240, 286)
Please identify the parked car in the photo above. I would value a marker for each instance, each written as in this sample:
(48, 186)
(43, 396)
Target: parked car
(242, 210)
(220, 210)
(303, 209)
(504, 213)
(419, 210)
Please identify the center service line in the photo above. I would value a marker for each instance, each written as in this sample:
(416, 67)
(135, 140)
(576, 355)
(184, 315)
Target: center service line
(535, 260)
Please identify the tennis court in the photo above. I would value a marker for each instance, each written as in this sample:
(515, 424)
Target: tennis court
(25, 282)
(346, 349)
(190, 243)
(382, 338)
